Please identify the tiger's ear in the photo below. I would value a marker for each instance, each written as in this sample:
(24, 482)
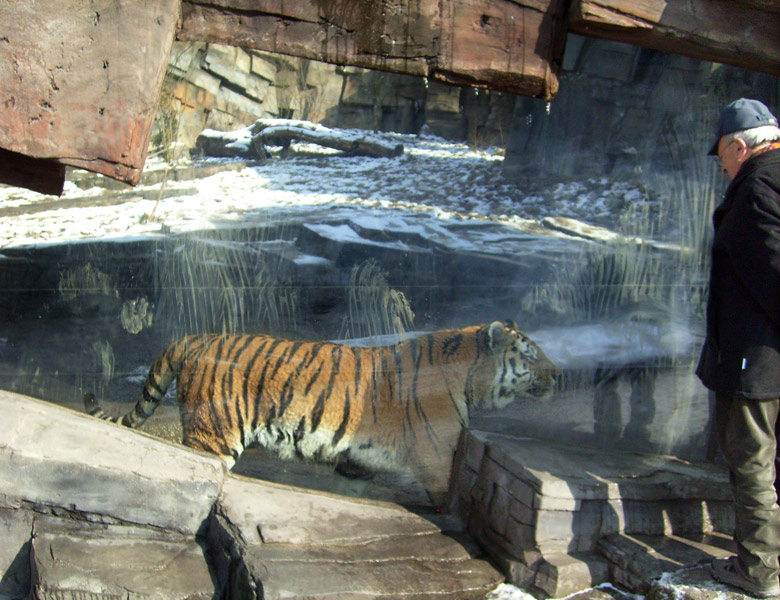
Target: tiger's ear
(497, 335)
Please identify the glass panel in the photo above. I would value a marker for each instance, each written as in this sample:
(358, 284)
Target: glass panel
(585, 220)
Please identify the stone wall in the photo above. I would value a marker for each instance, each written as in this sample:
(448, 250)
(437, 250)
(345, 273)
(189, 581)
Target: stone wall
(622, 109)
(226, 88)
(628, 113)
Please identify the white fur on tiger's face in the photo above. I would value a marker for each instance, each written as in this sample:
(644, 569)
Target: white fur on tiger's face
(525, 372)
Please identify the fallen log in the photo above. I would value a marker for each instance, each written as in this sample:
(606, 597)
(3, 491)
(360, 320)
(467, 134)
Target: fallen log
(252, 142)
(227, 144)
(362, 144)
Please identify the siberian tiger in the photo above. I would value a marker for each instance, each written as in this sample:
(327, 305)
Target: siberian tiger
(385, 408)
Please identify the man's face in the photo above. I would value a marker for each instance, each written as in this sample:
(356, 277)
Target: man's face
(731, 155)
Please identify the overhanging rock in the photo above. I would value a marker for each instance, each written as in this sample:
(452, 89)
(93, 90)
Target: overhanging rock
(80, 85)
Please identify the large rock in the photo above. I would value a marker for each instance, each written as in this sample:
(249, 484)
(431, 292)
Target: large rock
(15, 530)
(704, 29)
(76, 560)
(64, 461)
(509, 45)
(81, 81)
(92, 509)
(302, 544)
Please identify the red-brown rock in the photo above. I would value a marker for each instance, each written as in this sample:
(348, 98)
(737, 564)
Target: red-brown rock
(745, 34)
(80, 81)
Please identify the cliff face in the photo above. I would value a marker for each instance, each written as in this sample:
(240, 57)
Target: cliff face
(226, 88)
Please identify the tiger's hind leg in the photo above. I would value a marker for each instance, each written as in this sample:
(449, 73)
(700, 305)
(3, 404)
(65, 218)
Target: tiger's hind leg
(200, 432)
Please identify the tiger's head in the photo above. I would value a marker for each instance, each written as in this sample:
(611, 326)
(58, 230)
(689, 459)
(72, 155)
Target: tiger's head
(522, 369)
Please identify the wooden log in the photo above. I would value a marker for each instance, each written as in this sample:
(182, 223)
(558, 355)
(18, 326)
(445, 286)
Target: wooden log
(227, 144)
(355, 144)
(251, 142)
(745, 33)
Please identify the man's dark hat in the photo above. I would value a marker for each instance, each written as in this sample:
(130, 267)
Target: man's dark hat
(739, 115)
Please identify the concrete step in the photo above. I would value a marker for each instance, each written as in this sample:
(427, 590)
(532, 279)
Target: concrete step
(543, 511)
(639, 562)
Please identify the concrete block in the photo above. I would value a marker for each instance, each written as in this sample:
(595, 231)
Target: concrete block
(192, 96)
(518, 573)
(547, 503)
(185, 57)
(220, 54)
(560, 575)
(204, 80)
(521, 537)
(243, 61)
(320, 74)
(498, 509)
(286, 79)
(442, 97)
(234, 103)
(263, 67)
(522, 513)
(588, 527)
(474, 451)
(461, 486)
(89, 466)
(524, 493)
(494, 474)
(556, 525)
(637, 561)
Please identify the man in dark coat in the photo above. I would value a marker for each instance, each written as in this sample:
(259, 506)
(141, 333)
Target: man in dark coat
(740, 361)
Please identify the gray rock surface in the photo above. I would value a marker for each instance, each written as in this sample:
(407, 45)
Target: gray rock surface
(65, 461)
(74, 560)
(89, 509)
(92, 509)
(559, 519)
(301, 544)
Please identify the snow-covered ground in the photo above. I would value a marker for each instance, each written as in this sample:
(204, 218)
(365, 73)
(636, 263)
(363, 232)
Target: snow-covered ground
(434, 179)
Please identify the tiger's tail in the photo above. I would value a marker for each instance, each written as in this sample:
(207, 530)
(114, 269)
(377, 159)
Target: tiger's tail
(159, 379)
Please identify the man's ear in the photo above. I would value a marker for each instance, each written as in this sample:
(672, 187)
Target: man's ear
(741, 146)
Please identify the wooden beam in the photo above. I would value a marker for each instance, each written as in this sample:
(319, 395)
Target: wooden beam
(743, 33)
(509, 45)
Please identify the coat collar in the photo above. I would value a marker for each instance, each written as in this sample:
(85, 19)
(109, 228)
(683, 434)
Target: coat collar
(750, 166)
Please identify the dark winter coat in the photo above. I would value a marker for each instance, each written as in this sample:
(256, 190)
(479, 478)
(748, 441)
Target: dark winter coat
(741, 354)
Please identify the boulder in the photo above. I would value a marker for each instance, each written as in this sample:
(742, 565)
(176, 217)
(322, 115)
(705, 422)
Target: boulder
(93, 509)
(71, 559)
(62, 461)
